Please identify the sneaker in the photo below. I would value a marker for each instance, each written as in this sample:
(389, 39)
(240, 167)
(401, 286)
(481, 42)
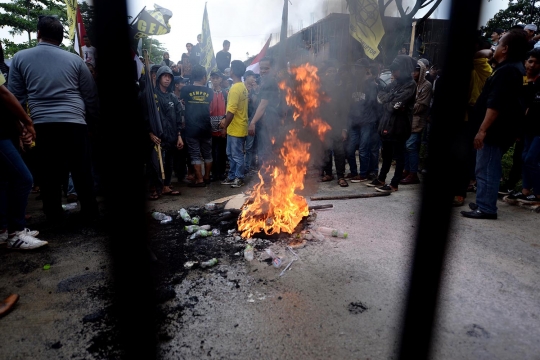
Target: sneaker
(386, 189)
(3, 236)
(528, 199)
(26, 231)
(22, 241)
(503, 191)
(375, 183)
(513, 195)
(227, 181)
(349, 176)
(358, 178)
(237, 183)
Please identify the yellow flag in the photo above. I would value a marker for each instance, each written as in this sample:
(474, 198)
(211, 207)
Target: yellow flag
(366, 25)
(71, 6)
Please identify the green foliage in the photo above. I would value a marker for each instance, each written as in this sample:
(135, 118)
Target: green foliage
(88, 13)
(156, 51)
(22, 15)
(517, 12)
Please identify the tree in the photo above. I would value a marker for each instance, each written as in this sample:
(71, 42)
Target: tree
(22, 17)
(517, 12)
(156, 51)
(407, 16)
(88, 16)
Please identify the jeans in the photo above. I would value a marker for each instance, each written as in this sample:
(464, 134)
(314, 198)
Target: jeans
(235, 147)
(531, 164)
(412, 146)
(488, 177)
(63, 148)
(392, 150)
(368, 141)
(70, 186)
(15, 186)
(250, 153)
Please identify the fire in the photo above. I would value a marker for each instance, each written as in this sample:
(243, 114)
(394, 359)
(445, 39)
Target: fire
(276, 207)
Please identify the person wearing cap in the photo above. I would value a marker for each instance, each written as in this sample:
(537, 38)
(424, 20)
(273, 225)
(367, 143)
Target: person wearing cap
(397, 101)
(531, 29)
(166, 61)
(153, 73)
(498, 113)
(420, 113)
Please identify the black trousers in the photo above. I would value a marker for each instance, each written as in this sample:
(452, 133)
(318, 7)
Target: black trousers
(517, 165)
(62, 148)
(219, 156)
(336, 146)
(392, 150)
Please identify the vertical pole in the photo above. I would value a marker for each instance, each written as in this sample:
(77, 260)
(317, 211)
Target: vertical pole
(437, 192)
(130, 257)
(283, 36)
(78, 38)
(413, 36)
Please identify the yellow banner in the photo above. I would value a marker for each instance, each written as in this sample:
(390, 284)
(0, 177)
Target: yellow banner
(366, 25)
(71, 6)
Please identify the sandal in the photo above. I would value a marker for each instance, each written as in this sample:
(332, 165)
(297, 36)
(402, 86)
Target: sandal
(342, 182)
(201, 184)
(172, 193)
(154, 196)
(326, 178)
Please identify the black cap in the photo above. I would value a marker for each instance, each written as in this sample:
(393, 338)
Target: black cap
(155, 68)
(216, 73)
(362, 63)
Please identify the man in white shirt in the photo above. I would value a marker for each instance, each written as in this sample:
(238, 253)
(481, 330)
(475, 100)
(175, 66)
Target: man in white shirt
(89, 52)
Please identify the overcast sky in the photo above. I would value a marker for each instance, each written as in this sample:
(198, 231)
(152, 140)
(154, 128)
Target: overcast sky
(247, 24)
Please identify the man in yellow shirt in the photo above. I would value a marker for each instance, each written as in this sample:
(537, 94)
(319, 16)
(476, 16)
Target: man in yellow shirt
(236, 123)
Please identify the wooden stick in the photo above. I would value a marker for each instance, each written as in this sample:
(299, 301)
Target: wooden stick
(161, 162)
(350, 196)
(319, 207)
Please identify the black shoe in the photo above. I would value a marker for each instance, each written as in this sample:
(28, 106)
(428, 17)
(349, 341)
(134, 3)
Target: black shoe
(237, 183)
(386, 189)
(513, 195)
(528, 199)
(473, 206)
(375, 183)
(478, 214)
(227, 181)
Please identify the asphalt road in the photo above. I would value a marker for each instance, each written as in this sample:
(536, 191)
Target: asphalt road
(342, 299)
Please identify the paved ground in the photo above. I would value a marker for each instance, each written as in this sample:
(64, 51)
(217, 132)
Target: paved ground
(341, 300)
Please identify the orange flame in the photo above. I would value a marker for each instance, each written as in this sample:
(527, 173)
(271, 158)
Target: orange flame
(276, 207)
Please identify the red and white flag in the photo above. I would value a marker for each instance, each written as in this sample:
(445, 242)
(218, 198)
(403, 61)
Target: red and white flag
(81, 32)
(255, 63)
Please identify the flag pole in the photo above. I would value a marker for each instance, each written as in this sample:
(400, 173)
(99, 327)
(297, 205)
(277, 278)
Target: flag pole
(77, 35)
(136, 17)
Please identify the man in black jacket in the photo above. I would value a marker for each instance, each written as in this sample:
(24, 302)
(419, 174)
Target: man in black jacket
(170, 111)
(498, 111)
(397, 101)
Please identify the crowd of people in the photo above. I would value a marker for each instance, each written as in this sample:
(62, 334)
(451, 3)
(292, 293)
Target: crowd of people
(221, 127)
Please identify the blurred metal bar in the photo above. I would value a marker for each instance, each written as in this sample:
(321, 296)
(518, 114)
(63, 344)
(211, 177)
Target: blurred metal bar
(435, 212)
(123, 137)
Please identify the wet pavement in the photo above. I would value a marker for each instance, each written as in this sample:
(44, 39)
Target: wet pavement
(342, 298)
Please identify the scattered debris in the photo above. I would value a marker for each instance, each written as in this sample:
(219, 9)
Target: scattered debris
(332, 232)
(190, 264)
(46, 266)
(287, 267)
(248, 253)
(209, 263)
(349, 196)
(357, 307)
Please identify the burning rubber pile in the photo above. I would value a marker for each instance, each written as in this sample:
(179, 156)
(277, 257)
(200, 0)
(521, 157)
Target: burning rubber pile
(276, 207)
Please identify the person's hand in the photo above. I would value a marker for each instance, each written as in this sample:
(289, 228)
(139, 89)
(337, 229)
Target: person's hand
(344, 135)
(30, 132)
(251, 129)
(180, 143)
(155, 139)
(222, 124)
(479, 139)
(223, 133)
